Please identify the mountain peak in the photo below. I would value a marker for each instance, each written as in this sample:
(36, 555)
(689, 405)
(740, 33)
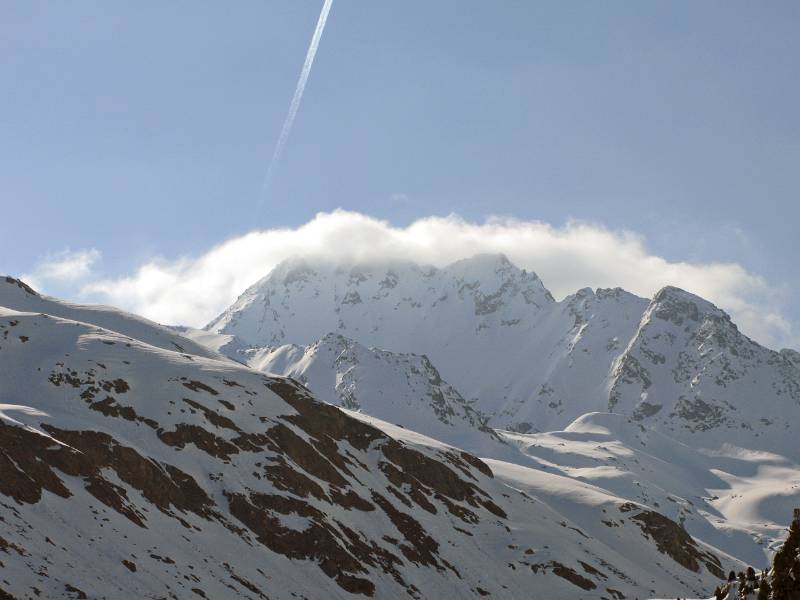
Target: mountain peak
(20, 284)
(480, 266)
(793, 356)
(18, 296)
(487, 259)
(677, 305)
(476, 293)
(290, 265)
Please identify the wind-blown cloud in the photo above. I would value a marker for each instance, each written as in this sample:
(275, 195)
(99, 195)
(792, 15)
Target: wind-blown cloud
(193, 290)
(66, 267)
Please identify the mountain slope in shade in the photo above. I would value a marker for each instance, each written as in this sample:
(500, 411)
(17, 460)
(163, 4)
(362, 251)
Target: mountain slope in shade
(128, 470)
(394, 387)
(16, 295)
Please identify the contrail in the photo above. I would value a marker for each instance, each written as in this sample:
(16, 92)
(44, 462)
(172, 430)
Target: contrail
(298, 92)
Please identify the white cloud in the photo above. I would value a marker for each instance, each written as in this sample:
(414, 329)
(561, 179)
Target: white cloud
(65, 267)
(194, 290)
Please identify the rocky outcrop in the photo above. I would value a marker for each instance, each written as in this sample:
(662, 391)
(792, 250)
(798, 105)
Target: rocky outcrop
(785, 573)
(673, 540)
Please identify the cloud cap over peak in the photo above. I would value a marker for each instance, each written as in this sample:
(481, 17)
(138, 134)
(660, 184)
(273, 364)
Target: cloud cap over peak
(193, 290)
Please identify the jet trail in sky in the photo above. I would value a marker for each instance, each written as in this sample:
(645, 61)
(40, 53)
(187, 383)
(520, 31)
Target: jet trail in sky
(298, 92)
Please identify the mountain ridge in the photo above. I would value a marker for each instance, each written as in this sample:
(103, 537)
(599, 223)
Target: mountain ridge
(530, 362)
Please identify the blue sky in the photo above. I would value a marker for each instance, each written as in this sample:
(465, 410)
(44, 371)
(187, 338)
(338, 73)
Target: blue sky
(143, 130)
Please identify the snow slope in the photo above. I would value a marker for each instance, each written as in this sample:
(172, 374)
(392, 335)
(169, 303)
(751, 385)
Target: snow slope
(399, 388)
(131, 470)
(16, 295)
(732, 499)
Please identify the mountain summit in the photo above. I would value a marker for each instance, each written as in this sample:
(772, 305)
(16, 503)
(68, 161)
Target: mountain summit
(393, 303)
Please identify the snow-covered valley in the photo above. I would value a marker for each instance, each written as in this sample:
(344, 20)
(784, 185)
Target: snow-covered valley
(629, 448)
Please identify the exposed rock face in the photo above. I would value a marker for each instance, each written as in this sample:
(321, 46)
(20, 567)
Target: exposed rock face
(127, 470)
(672, 540)
(21, 285)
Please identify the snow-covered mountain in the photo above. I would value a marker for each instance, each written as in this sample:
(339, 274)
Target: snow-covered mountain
(530, 363)
(474, 312)
(689, 370)
(397, 302)
(129, 469)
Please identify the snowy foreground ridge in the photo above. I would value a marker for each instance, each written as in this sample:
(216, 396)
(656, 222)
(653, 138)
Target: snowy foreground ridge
(137, 463)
